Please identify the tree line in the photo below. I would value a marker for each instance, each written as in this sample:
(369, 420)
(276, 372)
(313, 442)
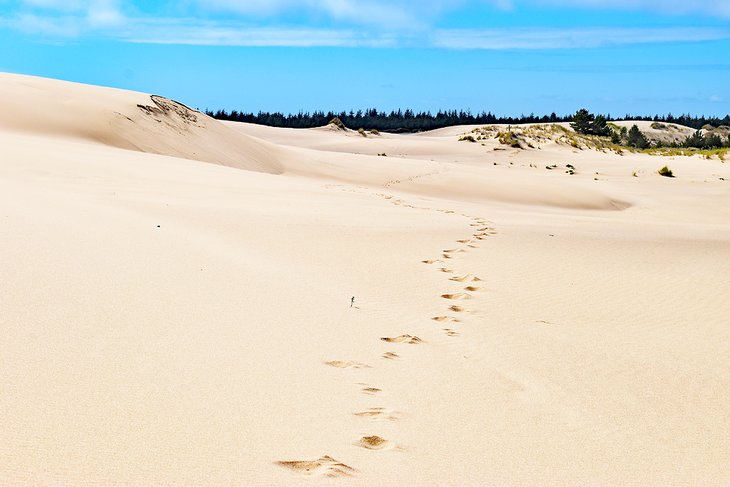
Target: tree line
(372, 119)
(410, 121)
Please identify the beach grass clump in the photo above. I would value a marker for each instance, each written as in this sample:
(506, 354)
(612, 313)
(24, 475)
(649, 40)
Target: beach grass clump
(338, 123)
(666, 172)
(467, 138)
(509, 138)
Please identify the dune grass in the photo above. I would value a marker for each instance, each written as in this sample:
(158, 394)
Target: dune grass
(721, 154)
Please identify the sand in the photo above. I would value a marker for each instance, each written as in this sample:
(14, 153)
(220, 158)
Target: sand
(176, 304)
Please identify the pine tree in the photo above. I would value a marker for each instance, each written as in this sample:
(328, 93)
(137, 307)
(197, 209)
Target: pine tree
(636, 138)
(582, 121)
(600, 127)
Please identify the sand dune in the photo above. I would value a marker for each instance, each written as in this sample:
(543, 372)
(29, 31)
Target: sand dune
(126, 120)
(177, 304)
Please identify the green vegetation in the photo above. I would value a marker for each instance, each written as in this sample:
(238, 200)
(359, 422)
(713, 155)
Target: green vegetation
(710, 140)
(636, 138)
(666, 172)
(688, 152)
(586, 123)
(715, 144)
(509, 138)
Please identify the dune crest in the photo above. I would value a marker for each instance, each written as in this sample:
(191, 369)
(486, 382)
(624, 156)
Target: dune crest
(127, 120)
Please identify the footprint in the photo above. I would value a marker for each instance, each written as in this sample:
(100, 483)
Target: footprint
(429, 262)
(346, 364)
(451, 332)
(446, 318)
(374, 443)
(391, 355)
(464, 241)
(378, 414)
(414, 340)
(464, 278)
(472, 288)
(444, 269)
(456, 296)
(472, 246)
(458, 309)
(326, 466)
(447, 256)
(371, 391)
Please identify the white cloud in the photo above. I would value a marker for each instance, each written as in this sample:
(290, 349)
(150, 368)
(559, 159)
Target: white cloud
(520, 38)
(674, 7)
(421, 12)
(364, 23)
(226, 34)
(413, 14)
(93, 13)
(104, 13)
(62, 27)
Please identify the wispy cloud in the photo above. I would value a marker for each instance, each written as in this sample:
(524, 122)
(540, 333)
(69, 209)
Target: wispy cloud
(672, 7)
(66, 18)
(575, 38)
(342, 23)
(191, 32)
(408, 14)
(419, 12)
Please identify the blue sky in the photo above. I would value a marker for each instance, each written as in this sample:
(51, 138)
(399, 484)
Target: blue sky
(505, 56)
